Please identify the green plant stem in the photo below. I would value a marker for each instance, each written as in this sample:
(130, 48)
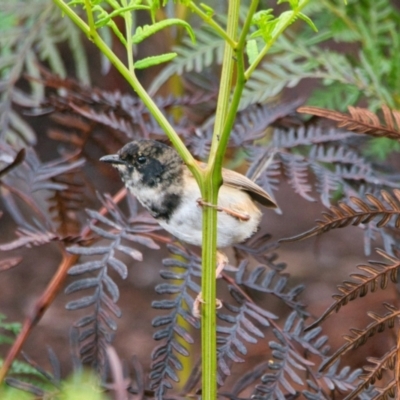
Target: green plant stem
(212, 183)
(222, 131)
(209, 20)
(129, 45)
(90, 17)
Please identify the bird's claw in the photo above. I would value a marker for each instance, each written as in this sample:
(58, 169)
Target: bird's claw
(222, 261)
(199, 300)
(235, 214)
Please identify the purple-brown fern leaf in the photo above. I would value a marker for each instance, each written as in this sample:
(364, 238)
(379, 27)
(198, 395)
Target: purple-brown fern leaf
(296, 170)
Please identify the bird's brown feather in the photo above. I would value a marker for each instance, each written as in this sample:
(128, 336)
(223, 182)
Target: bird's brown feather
(239, 181)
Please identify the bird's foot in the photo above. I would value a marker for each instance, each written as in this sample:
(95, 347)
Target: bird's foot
(222, 261)
(198, 301)
(240, 216)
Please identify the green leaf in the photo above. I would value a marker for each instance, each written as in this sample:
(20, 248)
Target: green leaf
(207, 9)
(285, 19)
(154, 60)
(13, 327)
(252, 50)
(106, 17)
(266, 23)
(262, 18)
(154, 7)
(148, 30)
(309, 22)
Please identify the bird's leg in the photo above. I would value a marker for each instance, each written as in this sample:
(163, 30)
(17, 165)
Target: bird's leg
(240, 216)
(222, 261)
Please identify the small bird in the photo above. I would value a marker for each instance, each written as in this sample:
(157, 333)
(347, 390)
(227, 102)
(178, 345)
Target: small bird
(156, 175)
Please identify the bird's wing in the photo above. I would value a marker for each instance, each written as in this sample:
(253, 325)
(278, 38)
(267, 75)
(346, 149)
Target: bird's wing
(236, 180)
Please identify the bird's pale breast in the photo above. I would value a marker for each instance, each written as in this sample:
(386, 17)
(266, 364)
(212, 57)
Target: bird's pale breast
(186, 221)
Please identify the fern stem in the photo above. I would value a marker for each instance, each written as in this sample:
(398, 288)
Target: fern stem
(224, 126)
(247, 24)
(128, 33)
(213, 24)
(213, 180)
(89, 14)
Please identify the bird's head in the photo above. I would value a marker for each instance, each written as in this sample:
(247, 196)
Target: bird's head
(146, 163)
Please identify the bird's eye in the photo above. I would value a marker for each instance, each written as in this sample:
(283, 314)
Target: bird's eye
(141, 159)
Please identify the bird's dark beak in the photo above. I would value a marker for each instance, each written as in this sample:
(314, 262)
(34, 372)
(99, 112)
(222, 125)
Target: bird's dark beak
(112, 159)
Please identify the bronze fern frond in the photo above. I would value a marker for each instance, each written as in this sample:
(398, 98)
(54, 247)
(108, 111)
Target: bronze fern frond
(344, 215)
(358, 337)
(362, 120)
(378, 275)
(375, 371)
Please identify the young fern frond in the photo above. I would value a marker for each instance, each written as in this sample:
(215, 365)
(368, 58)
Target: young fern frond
(82, 108)
(286, 365)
